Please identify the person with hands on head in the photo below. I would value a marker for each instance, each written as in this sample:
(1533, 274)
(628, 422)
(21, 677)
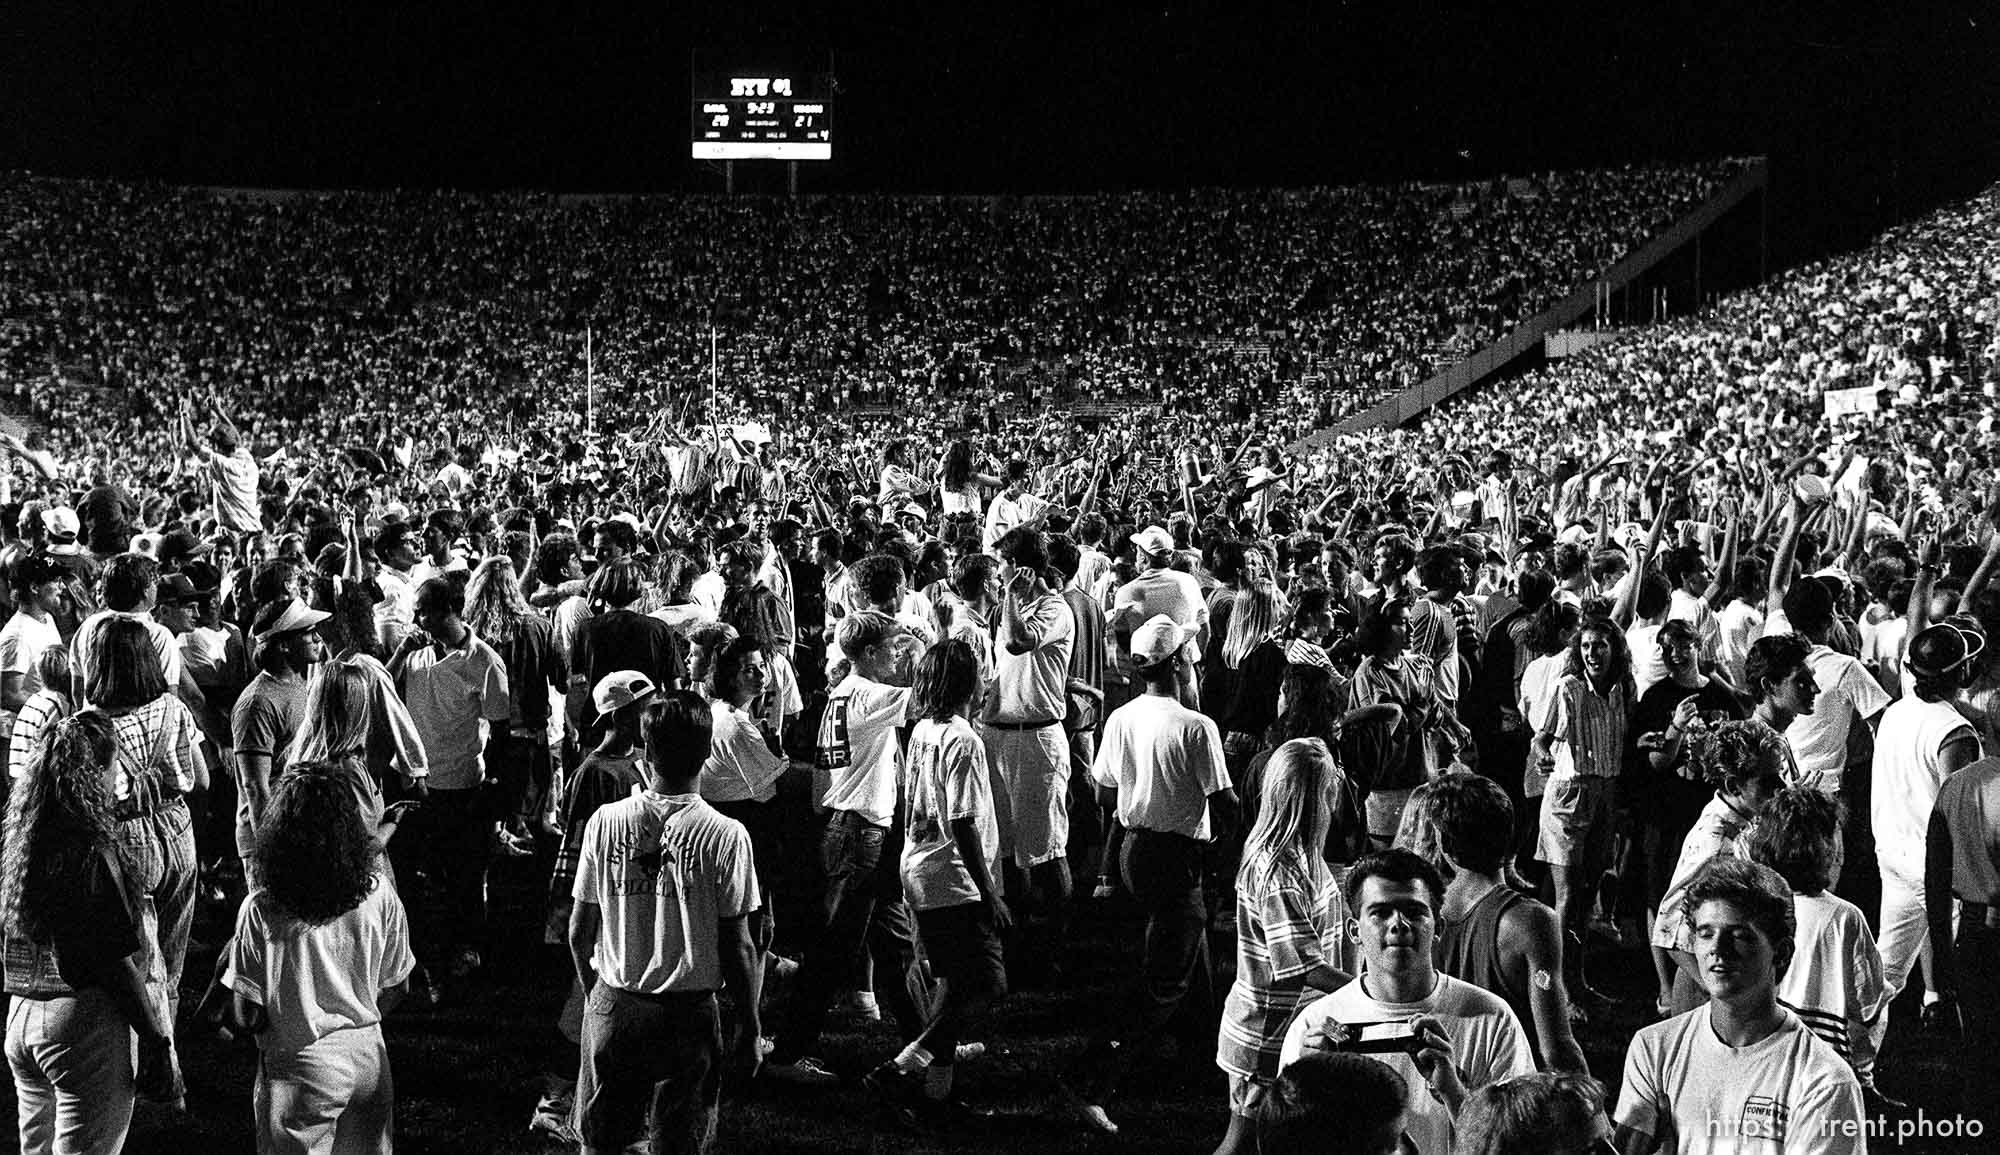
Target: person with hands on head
(1456, 1036)
(664, 889)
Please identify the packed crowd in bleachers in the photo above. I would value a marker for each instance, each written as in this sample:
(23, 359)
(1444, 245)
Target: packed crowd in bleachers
(344, 312)
(1381, 748)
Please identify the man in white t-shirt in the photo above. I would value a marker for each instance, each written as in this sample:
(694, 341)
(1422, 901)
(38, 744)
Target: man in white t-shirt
(1692, 600)
(1165, 761)
(232, 470)
(863, 907)
(664, 890)
(1847, 690)
(30, 632)
(1027, 749)
(1162, 589)
(1013, 507)
(1740, 1073)
(1460, 1037)
(1922, 741)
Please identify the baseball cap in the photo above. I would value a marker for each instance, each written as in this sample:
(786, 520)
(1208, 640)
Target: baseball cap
(1941, 649)
(61, 522)
(619, 689)
(1153, 539)
(1157, 640)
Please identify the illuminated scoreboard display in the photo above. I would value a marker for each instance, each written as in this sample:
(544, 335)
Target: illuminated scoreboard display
(762, 117)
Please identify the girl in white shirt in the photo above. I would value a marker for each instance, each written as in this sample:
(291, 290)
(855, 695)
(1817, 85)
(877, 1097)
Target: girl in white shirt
(321, 952)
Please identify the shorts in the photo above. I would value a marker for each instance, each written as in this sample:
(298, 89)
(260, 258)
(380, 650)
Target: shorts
(649, 1061)
(1576, 822)
(1030, 770)
(964, 950)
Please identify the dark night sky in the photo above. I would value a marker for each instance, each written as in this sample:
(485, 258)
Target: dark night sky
(1869, 114)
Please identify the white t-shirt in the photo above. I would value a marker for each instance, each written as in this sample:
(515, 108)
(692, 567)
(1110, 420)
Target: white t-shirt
(1165, 760)
(1486, 1037)
(1163, 591)
(947, 780)
(857, 746)
(1907, 773)
(1648, 667)
(23, 641)
(455, 701)
(740, 766)
(1740, 624)
(1882, 649)
(1819, 739)
(1694, 610)
(315, 980)
(235, 476)
(1835, 982)
(663, 870)
(1030, 687)
(1786, 1093)
(83, 647)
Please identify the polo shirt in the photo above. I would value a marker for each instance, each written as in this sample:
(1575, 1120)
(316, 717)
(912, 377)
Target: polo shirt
(455, 698)
(1030, 687)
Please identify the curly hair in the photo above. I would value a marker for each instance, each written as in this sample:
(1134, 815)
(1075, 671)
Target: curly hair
(60, 802)
(1755, 889)
(313, 853)
(1726, 755)
(494, 606)
(1798, 835)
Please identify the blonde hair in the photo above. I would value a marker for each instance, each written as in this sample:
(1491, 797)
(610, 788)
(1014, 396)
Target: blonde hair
(1295, 813)
(339, 713)
(494, 605)
(1254, 614)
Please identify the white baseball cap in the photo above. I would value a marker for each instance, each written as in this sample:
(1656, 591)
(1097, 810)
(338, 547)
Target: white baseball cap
(1157, 640)
(1153, 539)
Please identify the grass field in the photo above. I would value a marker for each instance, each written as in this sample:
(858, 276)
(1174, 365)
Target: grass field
(468, 1073)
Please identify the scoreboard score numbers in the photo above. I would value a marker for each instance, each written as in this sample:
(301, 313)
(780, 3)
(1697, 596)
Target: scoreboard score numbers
(762, 117)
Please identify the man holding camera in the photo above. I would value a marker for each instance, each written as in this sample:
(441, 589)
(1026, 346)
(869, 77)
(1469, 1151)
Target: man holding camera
(1434, 1030)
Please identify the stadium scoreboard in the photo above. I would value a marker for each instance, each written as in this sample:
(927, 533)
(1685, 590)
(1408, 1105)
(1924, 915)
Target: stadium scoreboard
(762, 116)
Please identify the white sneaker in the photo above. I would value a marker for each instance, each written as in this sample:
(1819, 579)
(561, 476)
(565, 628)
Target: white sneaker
(966, 1052)
(805, 1072)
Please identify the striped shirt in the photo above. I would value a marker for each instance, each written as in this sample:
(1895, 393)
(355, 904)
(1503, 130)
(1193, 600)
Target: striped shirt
(1287, 923)
(1834, 983)
(1588, 727)
(44, 708)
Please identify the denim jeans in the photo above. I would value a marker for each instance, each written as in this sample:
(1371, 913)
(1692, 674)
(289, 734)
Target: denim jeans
(157, 853)
(862, 907)
(335, 1095)
(72, 1063)
(1163, 872)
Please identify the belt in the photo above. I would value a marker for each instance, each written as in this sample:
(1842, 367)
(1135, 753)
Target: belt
(1025, 725)
(1980, 912)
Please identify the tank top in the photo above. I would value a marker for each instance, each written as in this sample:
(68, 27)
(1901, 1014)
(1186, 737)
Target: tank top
(1468, 949)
